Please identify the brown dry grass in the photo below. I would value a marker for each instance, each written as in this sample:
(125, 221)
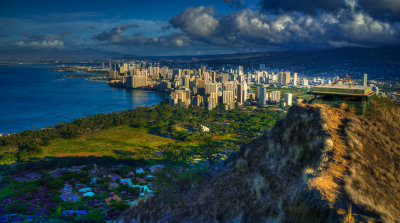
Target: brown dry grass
(330, 172)
(373, 181)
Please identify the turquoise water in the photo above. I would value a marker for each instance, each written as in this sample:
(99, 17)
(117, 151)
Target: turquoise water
(35, 96)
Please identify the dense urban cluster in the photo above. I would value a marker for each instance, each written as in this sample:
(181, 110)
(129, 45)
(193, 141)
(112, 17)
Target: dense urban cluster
(228, 86)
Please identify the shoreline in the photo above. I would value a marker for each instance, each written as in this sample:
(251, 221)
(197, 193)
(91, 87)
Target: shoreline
(113, 101)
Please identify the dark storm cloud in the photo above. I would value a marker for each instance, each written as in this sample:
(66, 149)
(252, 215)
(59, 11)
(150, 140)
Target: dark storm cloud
(257, 29)
(236, 4)
(198, 21)
(382, 9)
(308, 6)
(116, 37)
(65, 33)
(114, 33)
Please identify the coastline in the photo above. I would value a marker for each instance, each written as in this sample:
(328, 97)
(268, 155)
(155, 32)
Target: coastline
(42, 99)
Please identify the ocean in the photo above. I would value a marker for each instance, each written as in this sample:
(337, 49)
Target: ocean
(33, 96)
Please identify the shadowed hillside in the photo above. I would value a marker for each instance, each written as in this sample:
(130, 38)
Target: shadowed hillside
(319, 164)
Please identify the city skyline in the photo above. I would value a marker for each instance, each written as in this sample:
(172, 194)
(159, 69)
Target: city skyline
(159, 28)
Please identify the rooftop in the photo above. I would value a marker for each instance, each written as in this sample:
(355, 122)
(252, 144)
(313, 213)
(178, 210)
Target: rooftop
(349, 90)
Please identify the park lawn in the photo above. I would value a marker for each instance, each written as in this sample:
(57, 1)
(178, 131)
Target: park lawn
(117, 141)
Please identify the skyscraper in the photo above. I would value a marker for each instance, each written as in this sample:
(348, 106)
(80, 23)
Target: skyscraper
(288, 99)
(240, 70)
(295, 79)
(262, 97)
(242, 93)
(275, 97)
(305, 82)
(365, 80)
(284, 78)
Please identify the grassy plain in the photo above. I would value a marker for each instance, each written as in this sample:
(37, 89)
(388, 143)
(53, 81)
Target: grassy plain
(110, 142)
(118, 141)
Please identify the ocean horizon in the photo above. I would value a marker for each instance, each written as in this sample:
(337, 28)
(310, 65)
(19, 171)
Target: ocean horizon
(33, 96)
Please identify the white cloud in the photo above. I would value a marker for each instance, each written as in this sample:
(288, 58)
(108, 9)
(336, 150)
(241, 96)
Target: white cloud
(41, 44)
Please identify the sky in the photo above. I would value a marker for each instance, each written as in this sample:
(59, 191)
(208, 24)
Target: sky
(196, 27)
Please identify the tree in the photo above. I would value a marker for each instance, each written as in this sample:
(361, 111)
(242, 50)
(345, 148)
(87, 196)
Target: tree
(7, 158)
(209, 148)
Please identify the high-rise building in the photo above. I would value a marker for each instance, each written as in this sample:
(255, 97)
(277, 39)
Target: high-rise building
(242, 93)
(211, 91)
(136, 81)
(186, 81)
(214, 77)
(180, 97)
(284, 78)
(275, 97)
(365, 80)
(227, 98)
(197, 100)
(240, 70)
(263, 96)
(206, 76)
(288, 99)
(211, 88)
(230, 86)
(225, 78)
(294, 79)
(305, 82)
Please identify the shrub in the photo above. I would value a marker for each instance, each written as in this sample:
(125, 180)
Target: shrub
(7, 158)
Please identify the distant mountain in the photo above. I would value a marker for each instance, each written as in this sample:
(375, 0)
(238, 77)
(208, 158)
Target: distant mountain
(379, 63)
(42, 55)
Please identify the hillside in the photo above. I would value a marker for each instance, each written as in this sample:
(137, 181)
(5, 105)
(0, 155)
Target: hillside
(319, 164)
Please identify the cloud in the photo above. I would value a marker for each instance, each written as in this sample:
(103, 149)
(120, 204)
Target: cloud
(3, 35)
(198, 21)
(90, 27)
(307, 6)
(114, 34)
(42, 40)
(236, 4)
(381, 9)
(65, 33)
(286, 30)
(165, 28)
(41, 44)
(174, 39)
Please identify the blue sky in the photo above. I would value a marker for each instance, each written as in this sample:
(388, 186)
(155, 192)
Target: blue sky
(190, 27)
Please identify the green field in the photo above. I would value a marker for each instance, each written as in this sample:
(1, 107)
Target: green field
(118, 141)
(111, 142)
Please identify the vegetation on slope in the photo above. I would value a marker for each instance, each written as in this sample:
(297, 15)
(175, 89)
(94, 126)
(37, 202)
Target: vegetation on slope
(373, 181)
(319, 164)
(256, 185)
(163, 120)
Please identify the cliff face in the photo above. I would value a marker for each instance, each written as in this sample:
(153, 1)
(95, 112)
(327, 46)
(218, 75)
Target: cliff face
(314, 166)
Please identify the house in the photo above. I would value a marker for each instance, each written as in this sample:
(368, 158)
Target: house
(67, 194)
(113, 197)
